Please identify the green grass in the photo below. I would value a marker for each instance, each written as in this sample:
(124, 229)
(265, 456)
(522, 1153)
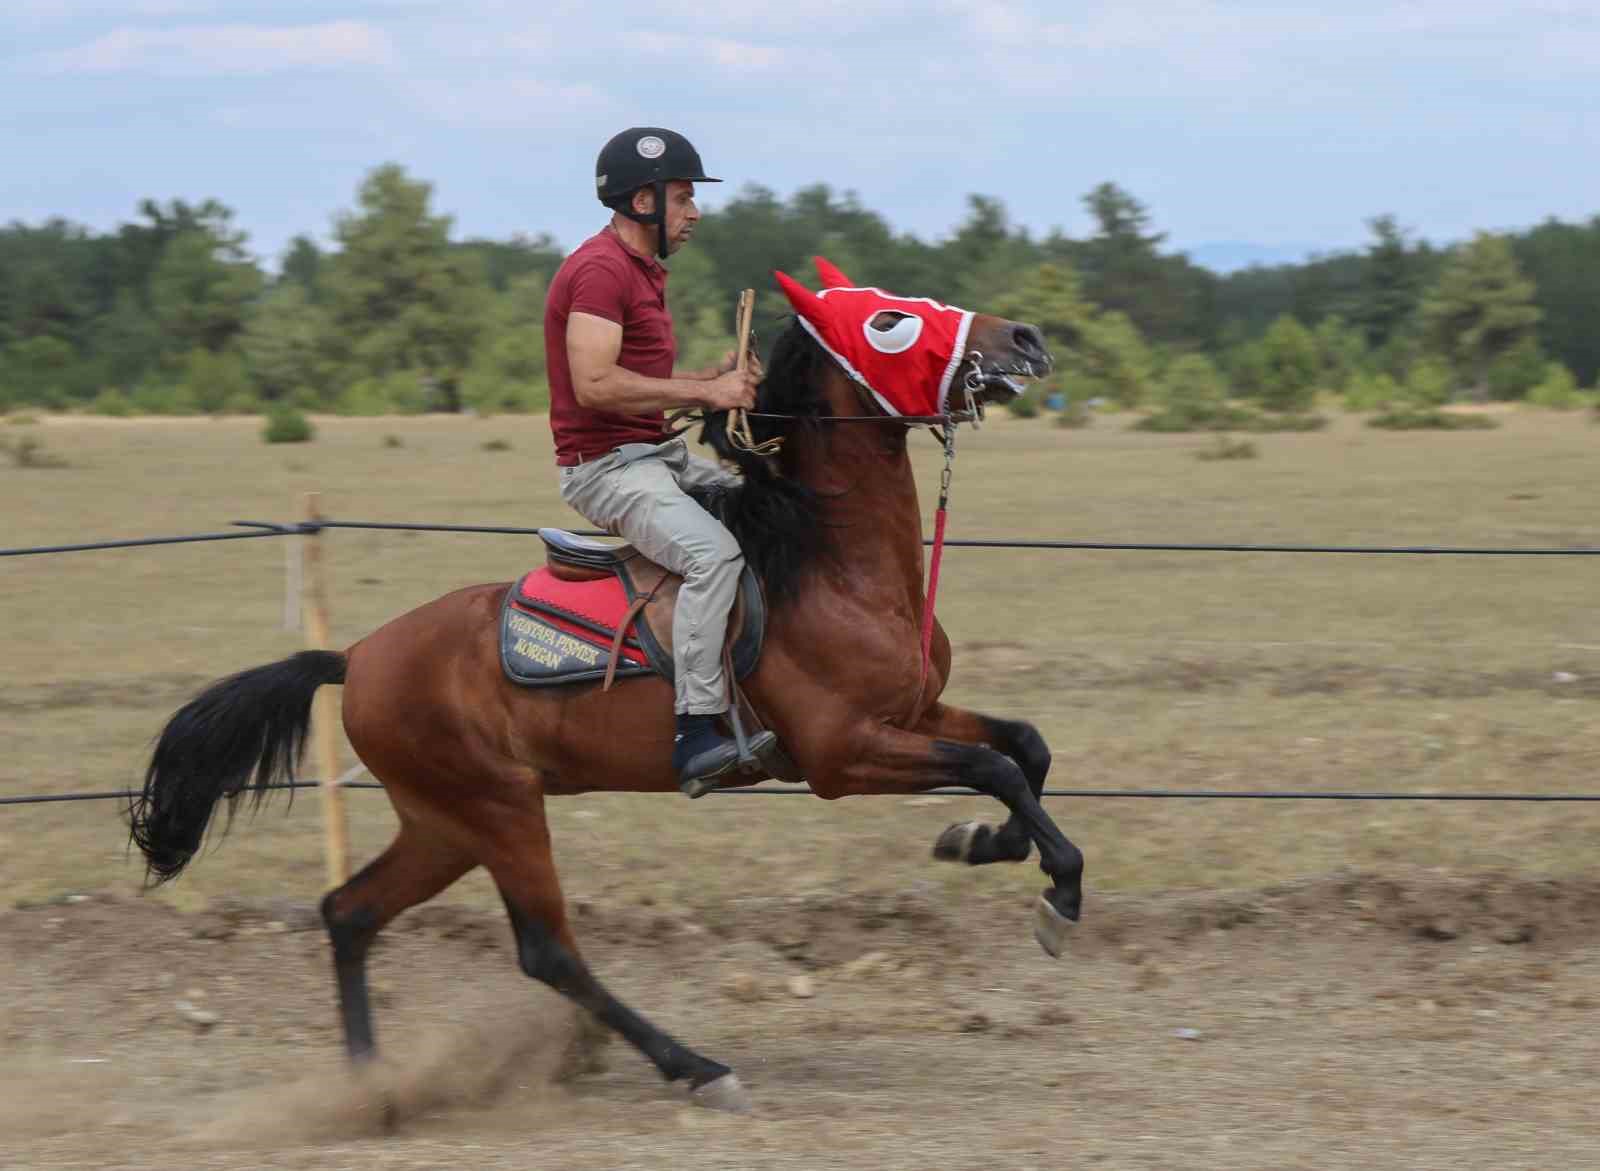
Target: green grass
(1162, 669)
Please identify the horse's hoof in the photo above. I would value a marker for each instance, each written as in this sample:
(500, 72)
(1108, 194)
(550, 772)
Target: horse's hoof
(955, 844)
(1050, 927)
(725, 1093)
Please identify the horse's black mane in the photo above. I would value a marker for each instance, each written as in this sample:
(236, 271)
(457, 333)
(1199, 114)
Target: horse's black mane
(777, 520)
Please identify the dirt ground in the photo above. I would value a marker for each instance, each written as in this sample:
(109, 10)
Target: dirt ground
(1351, 1021)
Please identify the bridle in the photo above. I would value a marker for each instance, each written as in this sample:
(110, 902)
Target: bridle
(974, 380)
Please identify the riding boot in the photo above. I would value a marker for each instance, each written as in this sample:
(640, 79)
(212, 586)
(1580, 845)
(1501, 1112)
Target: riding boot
(701, 754)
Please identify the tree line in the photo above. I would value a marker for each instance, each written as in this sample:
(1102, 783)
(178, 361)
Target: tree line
(171, 313)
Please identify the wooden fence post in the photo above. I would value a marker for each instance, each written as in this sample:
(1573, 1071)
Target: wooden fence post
(325, 710)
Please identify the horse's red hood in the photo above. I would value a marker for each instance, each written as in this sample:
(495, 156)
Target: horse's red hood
(908, 367)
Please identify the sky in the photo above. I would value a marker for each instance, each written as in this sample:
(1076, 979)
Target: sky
(1247, 128)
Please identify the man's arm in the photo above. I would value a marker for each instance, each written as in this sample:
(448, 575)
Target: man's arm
(727, 363)
(593, 346)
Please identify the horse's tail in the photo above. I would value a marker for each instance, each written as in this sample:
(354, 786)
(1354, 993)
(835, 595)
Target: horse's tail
(245, 732)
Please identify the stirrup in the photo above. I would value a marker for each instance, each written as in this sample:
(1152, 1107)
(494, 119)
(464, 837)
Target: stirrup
(712, 764)
(755, 749)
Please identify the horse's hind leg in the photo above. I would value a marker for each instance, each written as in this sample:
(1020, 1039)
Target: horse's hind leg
(412, 870)
(526, 875)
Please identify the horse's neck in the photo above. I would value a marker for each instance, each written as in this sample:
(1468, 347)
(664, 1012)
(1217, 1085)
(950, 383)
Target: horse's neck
(863, 472)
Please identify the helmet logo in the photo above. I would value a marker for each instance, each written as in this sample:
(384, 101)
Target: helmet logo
(651, 147)
(600, 180)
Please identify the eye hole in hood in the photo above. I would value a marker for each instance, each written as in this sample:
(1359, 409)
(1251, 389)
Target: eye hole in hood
(891, 332)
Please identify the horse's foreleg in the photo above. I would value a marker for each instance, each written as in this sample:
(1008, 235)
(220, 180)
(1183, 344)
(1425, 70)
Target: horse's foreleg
(412, 870)
(889, 760)
(979, 843)
(526, 875)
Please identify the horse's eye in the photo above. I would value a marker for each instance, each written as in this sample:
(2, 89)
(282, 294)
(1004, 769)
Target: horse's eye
(892, 332)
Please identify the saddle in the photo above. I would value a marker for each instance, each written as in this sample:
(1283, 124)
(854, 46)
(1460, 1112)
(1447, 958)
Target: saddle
(604, 612)
(597, 611)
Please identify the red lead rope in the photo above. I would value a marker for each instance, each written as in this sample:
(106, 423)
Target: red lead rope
(933, 590)
(938, 547)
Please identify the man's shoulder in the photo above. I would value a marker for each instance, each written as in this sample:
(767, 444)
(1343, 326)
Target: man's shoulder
(599, 251)
(591, 275)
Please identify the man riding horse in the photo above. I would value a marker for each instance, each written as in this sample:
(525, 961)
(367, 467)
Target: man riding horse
(609, 337)
(851, 669)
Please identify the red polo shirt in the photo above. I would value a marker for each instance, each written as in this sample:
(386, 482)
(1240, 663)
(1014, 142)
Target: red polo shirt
(604, 278)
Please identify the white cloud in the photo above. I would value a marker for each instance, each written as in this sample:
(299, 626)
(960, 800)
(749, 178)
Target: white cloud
(727, 54)
(827, 23)
(46, 12)
(508, 103)
(227, 49)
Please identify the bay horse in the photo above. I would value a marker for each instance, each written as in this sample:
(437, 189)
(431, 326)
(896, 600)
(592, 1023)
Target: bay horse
(830, 524)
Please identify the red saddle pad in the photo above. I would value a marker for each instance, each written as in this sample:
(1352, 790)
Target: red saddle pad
(586, 610)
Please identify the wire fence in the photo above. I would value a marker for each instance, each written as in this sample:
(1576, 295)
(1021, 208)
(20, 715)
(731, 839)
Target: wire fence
(262, 528)
(1136, 794)
(255, 529)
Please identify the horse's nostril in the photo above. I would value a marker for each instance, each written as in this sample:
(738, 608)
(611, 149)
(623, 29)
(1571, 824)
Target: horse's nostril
(1028, 340)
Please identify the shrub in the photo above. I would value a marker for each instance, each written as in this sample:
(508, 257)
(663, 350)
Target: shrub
(307, 398)
(1196, 416)
(491, 393)
(1559, 390)
(1290, 366)
(1192, 381)
(285, 424)
(1226, 417)
(1370, 392)
(407, 392)
(111, 401)
(496, 445)
(211, 381)
(365, 397)
(1430, 419)
(22, 419)
(1227, 447)
(1296, 422)
(1517, 371)
(158, 398)
(1429, 383)
(392, 440)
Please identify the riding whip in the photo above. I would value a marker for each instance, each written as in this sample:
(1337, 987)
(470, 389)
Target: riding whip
(739, 434)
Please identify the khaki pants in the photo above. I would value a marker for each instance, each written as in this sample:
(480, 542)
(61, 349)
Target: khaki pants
(639, 493)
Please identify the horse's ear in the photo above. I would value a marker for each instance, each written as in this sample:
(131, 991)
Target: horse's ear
(831, 277)
(805, 302)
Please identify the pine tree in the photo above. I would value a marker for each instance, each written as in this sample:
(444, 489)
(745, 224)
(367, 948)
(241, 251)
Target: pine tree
(399, 299)
(1391, 288)
(1481, 309)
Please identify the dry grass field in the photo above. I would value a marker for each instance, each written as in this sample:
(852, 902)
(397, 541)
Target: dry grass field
(1142, 669)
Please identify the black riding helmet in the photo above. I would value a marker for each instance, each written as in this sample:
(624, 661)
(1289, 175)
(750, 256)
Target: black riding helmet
(646, 156)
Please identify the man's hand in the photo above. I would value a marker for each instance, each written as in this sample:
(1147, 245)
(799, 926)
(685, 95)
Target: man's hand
(731, 390)
(731, 359)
